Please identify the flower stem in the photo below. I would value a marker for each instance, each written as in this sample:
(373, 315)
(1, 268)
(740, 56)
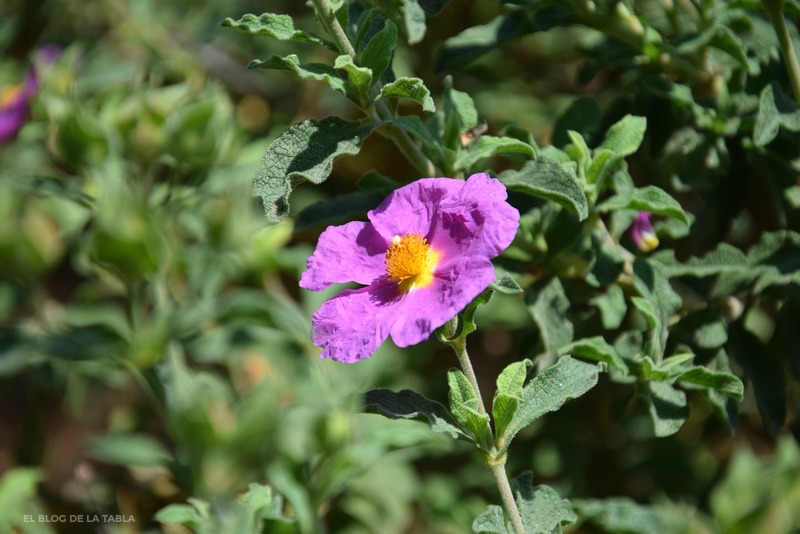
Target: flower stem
(500, 476)
(775, 10)
(381, 113)
(460, 348)
(495, 462)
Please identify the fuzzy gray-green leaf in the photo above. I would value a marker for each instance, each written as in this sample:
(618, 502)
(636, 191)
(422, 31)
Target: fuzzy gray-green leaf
(488, 146)
(548, 179)
(550, 389)
(409, 404)
(412, 88)
(308, 71)
(597, 349)
(377, 55)
(667, 406)
(651, 199)
(542, 509)
(304, 152)
(280, 27)
(625, 137)
(775, 111)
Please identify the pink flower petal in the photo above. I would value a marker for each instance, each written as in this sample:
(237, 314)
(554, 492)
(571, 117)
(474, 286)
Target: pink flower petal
(352, 325)
(351, 252)
(428, 308)
(476, 220)
(411, 209)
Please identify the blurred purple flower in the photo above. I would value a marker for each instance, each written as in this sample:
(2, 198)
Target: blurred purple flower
(423, 256)
(642, 233)
(15, 100)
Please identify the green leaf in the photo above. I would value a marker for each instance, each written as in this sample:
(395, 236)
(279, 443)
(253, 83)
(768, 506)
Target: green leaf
(412, 88)
(625, 137)
(650, 198)
(492, 521)
(459, 114)
(466, 319)
(258, 504)
(488, 146)
(17, 494)
(766, 374)
(652, 284)
(280, 27)
(725, 258)
(414, 125)
(409, 404)
(377, 55)
(621, 515)
(650, 371)
(128, 449)
(596, 349)
(512, 378)
(506, 285)
(504, 407)
(413, 14)
(549, 390)
(726, 383)
(306, 151)
(542, 508)
(360, 78)
(477, 40)
(667, 407)
(548, 179)
(612, 307)
(337, 210)
(464, 406)
(548, 305)
(309, 71)
(296, 492)
(180, 514)
(653, 346)
(508, 395)
(775, 111)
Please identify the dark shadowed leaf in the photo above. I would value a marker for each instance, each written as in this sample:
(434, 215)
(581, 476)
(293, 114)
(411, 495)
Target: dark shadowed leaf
(304, 152)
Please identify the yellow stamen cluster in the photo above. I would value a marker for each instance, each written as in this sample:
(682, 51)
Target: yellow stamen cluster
(410, 261)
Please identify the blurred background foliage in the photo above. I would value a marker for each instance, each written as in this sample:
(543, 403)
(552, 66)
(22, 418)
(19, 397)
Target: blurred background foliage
(154, 345)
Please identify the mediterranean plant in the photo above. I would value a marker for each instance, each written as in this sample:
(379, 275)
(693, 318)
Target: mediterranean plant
(230, 298)
(710, 107)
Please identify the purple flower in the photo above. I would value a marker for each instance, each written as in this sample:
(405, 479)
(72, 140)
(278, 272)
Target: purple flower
(15, 100)
(423, 256)
(642, 233)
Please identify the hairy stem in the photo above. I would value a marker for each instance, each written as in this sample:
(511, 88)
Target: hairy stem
(775, 10)
(496, 463)
(382, 113)
(460, 348)
(500, 476)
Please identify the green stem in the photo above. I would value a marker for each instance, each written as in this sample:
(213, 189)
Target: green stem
(496, 463)
(382, 113)
(499, 472)
(775, 10)
(334, 29)
(460, 348)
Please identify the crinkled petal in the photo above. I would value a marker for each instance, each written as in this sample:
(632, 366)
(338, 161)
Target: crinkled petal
(426, 309)
(351, 252)
(352, 325)
(477, 220)
(411, 209)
